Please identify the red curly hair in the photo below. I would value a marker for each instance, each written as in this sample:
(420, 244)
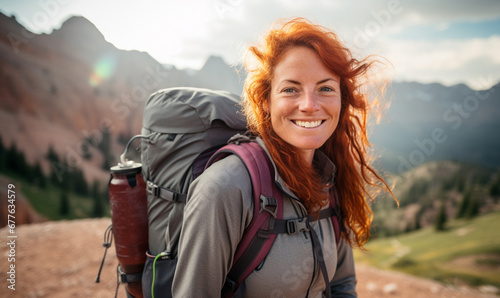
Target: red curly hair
(346, 147)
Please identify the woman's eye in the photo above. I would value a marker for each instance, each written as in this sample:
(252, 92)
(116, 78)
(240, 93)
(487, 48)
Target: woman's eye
(288, 90)
(327, 89)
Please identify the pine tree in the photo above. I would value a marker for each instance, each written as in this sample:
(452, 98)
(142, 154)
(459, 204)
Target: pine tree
(64, 205)
(54, 179)
(39, 177)
(98, 208)
(105, 147)
(473, 209)
(22, 167)
(3, 151)
(464, 205)
(78, 182)
(418, 215)
(495, 188)
(440, 223)
(460, 181)
(11, 158)
(52, 155)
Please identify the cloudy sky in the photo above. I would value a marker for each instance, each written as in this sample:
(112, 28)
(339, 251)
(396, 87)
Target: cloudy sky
(449, 41)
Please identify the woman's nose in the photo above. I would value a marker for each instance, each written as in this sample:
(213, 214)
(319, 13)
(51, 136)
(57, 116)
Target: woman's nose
(308, 103)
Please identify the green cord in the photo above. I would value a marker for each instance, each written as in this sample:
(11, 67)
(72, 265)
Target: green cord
(154, 274)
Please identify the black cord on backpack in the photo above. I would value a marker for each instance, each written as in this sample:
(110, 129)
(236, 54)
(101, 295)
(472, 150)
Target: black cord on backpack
(108, 239)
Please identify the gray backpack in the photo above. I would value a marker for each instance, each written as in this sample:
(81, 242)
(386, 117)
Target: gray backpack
(182, 125)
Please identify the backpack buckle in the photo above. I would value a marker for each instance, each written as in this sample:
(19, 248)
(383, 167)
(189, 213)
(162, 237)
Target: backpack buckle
(152, 189)
(239, 138)
(295, 226)
(230, 285)
(127, 277)
(268, 201)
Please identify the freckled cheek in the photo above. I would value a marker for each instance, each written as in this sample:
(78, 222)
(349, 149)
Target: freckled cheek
(280, 112)
(336, 109)
(277, 120)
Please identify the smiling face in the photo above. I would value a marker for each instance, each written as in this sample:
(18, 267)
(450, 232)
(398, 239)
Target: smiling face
(304, 102)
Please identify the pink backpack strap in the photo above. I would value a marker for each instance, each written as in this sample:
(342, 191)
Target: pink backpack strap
(268, 201)
(336, 216)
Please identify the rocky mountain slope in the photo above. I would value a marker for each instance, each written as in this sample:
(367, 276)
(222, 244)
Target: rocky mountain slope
(428, 122)
(71, 86)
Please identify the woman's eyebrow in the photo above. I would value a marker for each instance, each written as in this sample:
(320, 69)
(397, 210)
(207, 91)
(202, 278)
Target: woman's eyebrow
(290, 81)
(319, 82)
(326, 80)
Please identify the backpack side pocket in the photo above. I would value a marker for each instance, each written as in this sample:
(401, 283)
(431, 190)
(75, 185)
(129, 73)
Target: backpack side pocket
(158, 275)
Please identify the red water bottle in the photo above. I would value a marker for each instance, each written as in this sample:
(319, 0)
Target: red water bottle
(128, 201)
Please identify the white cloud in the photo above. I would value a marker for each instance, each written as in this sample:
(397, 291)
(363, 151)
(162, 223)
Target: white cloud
(474, 61)
(433, 11)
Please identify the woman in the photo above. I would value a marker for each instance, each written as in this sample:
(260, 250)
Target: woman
(302, 100)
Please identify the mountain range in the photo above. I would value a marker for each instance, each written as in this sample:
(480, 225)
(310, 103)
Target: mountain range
(69, 88)
(428, 122)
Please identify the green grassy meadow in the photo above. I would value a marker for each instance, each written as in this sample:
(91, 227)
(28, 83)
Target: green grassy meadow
(467, 252)
(47, 202)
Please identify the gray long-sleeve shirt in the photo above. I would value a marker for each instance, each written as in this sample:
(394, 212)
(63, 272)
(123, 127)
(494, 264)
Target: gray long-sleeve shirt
(219, 208)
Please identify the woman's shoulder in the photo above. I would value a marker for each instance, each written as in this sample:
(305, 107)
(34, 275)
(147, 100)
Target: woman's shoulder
(230, 168)
(224, 180)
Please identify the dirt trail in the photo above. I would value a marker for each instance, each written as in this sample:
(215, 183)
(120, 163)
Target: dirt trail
(61, 259)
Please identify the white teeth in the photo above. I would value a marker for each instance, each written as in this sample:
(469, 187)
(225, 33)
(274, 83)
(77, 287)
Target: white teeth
(308, 124)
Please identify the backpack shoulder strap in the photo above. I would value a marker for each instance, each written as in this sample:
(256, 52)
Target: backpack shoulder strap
(268, 207)
(335, 217)
(297, 225)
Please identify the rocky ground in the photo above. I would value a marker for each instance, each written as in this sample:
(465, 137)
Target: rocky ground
(61, 259)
